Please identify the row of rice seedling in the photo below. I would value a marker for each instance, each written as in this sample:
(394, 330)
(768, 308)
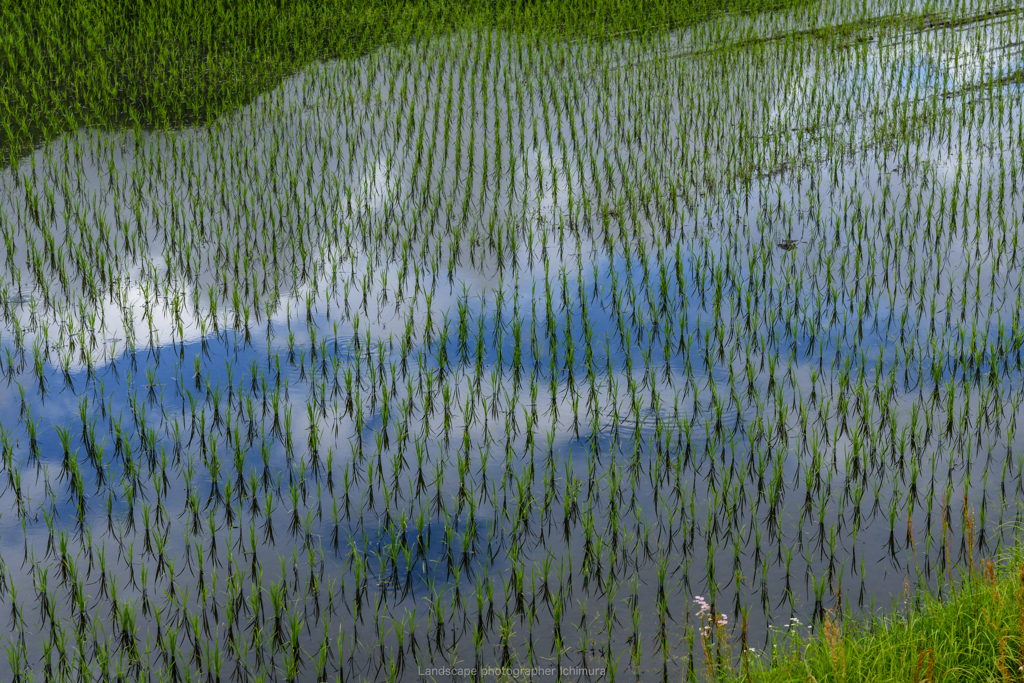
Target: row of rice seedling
(168, 64)
(500, 348)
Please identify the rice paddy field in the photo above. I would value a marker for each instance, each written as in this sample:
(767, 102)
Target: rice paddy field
(497, 354)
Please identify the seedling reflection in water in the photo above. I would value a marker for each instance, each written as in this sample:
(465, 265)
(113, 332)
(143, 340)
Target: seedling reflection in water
(737, 322)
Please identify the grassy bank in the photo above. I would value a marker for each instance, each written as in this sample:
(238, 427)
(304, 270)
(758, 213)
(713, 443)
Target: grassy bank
(974, 633)
(171, 62)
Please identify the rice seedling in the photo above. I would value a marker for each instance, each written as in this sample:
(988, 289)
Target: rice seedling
(771, 261)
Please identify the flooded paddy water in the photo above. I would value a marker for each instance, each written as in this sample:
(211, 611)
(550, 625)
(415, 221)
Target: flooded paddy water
(497, 350)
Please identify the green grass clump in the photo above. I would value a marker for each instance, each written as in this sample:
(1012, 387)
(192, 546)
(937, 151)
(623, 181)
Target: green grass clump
(975, 633)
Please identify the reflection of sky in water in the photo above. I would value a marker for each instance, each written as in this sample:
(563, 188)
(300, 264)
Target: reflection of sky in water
(914, 73)
(712, 370)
